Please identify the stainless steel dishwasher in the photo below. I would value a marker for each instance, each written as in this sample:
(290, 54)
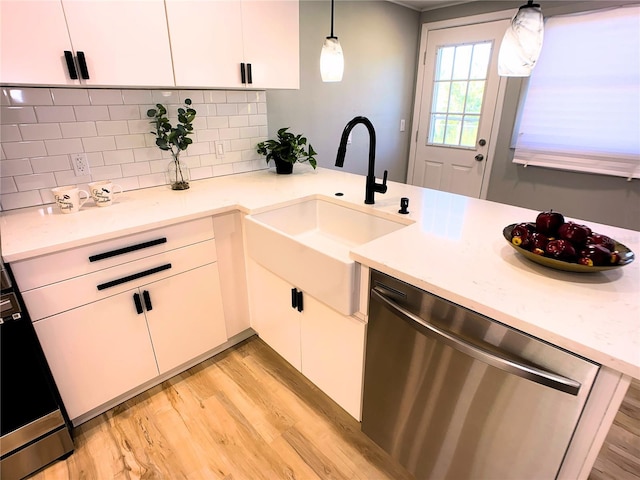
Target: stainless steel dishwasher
(452, 394)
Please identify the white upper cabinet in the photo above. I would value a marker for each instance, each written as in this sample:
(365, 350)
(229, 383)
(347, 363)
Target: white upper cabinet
(124, 43)
(253, 44)
(33, 39)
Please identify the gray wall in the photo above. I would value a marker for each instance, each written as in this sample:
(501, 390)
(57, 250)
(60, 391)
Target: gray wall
(599, 198)
(380, 42)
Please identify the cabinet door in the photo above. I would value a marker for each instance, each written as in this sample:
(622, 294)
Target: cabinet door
(125, 42)
(97, 352)
(33, 38)
(332, 348)
(272, 316)
(206, 42)
(186, 319)
(271, 42)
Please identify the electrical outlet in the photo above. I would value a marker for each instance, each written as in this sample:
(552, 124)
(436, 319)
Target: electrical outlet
(219, 149)
(80, 164)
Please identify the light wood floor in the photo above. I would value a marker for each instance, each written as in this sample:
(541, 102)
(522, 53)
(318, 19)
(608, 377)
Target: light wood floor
(247, 414)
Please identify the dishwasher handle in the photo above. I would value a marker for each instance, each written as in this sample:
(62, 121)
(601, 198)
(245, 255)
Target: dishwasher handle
(543, 377)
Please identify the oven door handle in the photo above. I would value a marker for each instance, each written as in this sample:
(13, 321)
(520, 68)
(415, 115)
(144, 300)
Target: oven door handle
(493, 358)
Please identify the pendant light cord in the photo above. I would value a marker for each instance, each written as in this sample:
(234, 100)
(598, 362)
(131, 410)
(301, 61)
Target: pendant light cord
(331, 21)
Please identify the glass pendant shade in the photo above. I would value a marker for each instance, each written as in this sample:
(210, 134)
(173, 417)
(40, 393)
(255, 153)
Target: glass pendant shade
(522, 42)
(331, 60)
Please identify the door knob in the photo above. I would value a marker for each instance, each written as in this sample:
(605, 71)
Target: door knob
(482, 142)
(479, 157)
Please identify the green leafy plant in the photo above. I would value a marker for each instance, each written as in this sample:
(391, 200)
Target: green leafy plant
(289, 148)
(174, 139)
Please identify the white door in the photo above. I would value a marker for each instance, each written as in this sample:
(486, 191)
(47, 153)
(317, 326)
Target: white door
(457, 102)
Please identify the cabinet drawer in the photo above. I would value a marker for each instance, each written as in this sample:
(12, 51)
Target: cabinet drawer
(55, 267)
(74, 292)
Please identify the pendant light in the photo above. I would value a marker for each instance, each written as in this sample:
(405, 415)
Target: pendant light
(522, 42)
(331, 59)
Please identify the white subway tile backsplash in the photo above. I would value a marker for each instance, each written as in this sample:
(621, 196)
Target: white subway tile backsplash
(68, 177)
(113, 127)
(58, 147)
(108, 172)
(70, 96)
(10, 133)
(91, 113)
(226, 109)
(52, 163)
(30, 96)
(137, 97)
(115, 157)
(105, 97)
(135, 169)
(98, 144)
(14, 150)
(17, 115)
(41, 127)
(239, 121)
(7, 185)
(40, 131)
(124, 112)
(20, 200)
(130, 141)
(11, 168)
(152, 180)
(78, 129)
(46, 114)
(35, 181)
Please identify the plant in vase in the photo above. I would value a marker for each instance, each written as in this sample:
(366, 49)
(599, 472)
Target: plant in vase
(174, 140)
(287, 150)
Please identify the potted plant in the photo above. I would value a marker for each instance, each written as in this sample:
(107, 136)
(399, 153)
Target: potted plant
(175, 140)
(287, 150)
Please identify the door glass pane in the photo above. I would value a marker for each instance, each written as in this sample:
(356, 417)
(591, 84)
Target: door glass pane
(445, 63)
(462, 62)
(458, 93)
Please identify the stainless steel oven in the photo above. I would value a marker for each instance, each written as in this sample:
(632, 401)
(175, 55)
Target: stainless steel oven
(35, 430)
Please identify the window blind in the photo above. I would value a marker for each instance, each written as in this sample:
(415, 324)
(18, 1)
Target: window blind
(582, 105)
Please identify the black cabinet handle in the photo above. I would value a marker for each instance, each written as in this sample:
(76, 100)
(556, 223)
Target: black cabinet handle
(147, 300)
(249, 76)
(71, 66)
(294, 298)
(135, 276)
(243, 77)
(132, 248)
(300, 306)
(136, 299)
(82, 63)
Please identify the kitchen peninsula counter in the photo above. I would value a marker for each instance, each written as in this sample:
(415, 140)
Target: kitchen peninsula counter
(452, 246)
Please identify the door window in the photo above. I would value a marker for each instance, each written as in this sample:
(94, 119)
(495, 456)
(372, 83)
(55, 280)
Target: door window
(458, 92)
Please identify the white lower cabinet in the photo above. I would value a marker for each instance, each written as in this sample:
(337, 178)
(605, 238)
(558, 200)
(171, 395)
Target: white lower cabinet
(326, 346)
(101, 350)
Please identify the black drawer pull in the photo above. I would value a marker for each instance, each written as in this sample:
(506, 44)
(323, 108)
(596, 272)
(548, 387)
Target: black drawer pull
(132, 248)
(82, 63)
(294, 298)
(300, 306)
(243, 77)
(71, 66)
(136, 299)
(147, 300)
(135, 276)
(249, 76)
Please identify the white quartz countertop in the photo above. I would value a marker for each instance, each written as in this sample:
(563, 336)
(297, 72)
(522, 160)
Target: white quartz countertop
(454, 249)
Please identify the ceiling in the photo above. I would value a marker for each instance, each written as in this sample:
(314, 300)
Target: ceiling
(424, 5)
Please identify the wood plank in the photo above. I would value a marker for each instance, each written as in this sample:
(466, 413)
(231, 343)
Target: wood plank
(247, 414)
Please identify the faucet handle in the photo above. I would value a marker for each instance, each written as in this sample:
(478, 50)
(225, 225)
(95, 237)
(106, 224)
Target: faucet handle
(382, 187)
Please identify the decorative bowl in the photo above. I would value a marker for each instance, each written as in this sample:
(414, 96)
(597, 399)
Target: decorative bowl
(626, 257)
